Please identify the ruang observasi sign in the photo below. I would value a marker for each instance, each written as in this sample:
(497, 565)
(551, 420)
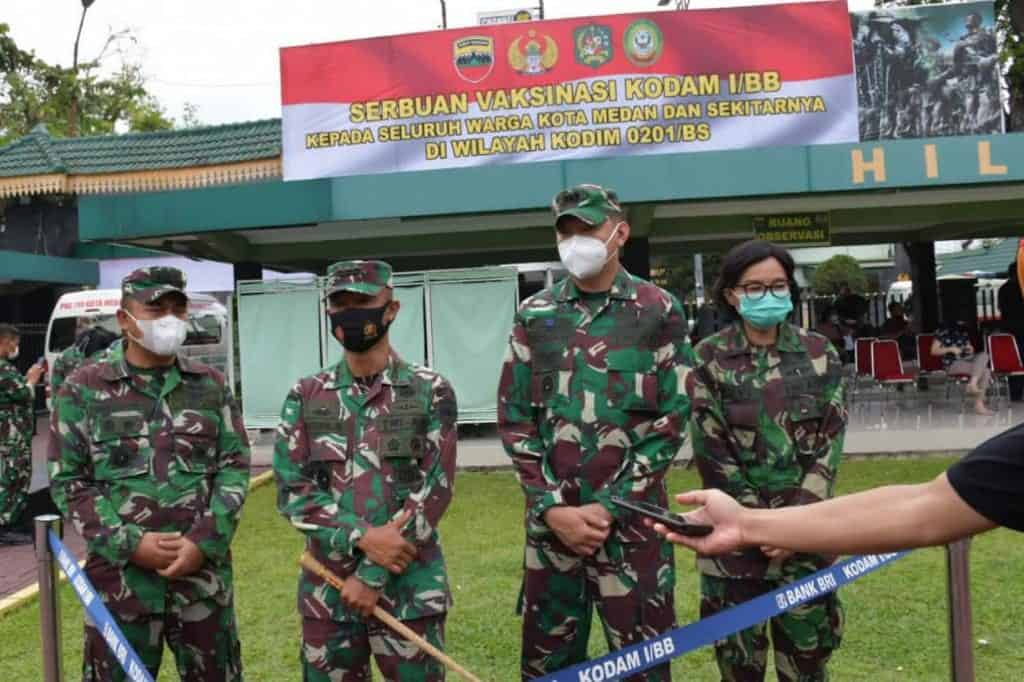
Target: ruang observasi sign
(610, 86)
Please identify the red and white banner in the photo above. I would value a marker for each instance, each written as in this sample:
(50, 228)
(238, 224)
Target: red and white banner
(619, 85)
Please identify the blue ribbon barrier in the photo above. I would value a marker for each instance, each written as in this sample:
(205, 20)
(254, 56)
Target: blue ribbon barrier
(98, 613)
(636, 658)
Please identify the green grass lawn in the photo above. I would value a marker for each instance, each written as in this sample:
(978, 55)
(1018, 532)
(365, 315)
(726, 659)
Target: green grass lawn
(896, 627)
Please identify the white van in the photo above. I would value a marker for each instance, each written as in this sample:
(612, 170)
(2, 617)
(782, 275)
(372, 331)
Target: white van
(209, 334)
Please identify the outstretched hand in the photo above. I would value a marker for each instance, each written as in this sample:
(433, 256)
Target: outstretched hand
(717, 510)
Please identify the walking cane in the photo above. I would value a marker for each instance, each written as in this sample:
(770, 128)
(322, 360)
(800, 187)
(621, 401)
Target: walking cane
(308, 562)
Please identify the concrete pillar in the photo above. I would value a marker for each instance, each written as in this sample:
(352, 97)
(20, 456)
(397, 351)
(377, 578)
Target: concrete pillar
(926, 290)
(636, 257)
(247, 270)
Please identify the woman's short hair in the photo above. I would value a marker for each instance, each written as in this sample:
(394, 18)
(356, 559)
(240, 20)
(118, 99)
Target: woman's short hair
(741, 257)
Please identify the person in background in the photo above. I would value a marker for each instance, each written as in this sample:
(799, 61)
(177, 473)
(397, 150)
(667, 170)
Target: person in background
(89, 342)
(828, 326)
(17, 422)
(1011, 313)
(953, 343)
(897, 328)
(768, 426)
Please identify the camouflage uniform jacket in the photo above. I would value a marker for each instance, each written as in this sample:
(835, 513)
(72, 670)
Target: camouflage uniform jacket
(16, 412)
(591, 405)
(768, 426)
(129, 456)
(348, 458)
(71, 359)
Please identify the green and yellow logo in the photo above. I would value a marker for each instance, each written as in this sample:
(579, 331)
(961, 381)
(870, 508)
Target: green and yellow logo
(593, 45)
(643, 42)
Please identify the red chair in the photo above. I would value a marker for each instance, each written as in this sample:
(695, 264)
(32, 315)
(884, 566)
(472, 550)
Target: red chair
(887, 366)
(862, 356)
(1004, 359)
(861, 363)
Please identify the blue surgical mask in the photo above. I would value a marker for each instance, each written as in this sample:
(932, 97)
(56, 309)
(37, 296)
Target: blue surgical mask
(767, 311)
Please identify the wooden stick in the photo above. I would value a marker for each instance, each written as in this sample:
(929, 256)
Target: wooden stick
(308, 562)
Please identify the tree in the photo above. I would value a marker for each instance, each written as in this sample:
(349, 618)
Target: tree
(838, 270)
(676, 274)
(1010, 28)
(33, 92)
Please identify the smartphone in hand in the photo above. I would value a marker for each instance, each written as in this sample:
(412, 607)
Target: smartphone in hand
(677, 523)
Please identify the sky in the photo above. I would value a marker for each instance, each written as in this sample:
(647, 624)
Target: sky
(222, 55)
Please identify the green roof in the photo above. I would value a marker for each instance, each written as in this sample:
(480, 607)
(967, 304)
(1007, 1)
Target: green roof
(39, 154)
(995, 258)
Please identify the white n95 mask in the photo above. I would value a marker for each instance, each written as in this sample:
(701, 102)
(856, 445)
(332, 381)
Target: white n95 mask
(163, 336)
(584, 256)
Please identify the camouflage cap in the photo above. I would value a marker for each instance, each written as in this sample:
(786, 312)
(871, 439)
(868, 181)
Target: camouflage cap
(361, 276)
(590, 203)
(148, 284)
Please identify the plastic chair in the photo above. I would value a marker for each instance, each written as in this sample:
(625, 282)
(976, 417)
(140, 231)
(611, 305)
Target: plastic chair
(1004, 360)
(887, 365)
(861, 364)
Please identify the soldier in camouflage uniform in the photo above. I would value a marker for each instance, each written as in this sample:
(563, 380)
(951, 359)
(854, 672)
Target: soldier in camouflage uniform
(149, 459)
(768, 425)
(17, 421)
(591, 405)
(89, 342)
(365, 464)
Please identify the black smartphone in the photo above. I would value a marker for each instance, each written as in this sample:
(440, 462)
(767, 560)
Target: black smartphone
(676, 522)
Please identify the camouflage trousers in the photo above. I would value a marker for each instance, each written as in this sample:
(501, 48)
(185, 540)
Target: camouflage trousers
(340, 652)
(803, 638)
(630, 584)
(15, 475)
(203, 637)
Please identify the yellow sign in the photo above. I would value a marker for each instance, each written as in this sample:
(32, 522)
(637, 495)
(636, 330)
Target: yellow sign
(794, 229)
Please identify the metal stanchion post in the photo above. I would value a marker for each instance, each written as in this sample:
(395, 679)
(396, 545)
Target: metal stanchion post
(958, 584)
(49, 606)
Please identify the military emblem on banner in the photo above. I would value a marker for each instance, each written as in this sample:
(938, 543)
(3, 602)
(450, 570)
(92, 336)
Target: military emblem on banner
(593, 45)
(531, 56)
(473, 57)
(643, 42)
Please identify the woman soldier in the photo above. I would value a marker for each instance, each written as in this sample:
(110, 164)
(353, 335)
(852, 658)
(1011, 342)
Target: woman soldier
(768, 426)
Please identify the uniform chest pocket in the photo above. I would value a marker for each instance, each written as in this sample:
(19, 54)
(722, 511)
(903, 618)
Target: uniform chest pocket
(805, 415)
(195, 442)
(328, 464)
(403, 435)
(632, 382)
(321, 416)
(120, 446)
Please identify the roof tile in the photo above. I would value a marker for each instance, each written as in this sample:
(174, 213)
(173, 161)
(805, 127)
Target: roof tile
(38, 154)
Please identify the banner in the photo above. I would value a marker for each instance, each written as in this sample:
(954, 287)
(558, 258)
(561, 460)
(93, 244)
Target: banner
(120, 647)
(628, 661)
(927, 71)
(619, 85)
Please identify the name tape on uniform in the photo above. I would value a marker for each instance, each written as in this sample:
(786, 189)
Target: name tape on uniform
(98, 613)
(674, 643)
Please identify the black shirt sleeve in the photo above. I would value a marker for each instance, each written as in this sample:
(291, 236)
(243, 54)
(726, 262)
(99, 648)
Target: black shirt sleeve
(990, 479)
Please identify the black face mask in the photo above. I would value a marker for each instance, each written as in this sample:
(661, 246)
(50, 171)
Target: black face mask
(363, 328)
